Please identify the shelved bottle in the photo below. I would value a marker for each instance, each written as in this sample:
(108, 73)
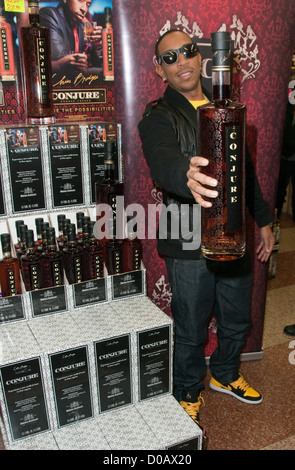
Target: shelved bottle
(7, 63)
(106, 192)
(36, 52)
(51, 262)
(92, 256)
(222, 127)
(9, 269)
(31, 264)
(132, 252)
(72, 257)
(108, 47)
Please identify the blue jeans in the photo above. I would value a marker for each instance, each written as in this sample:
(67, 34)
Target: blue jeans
(200, 287)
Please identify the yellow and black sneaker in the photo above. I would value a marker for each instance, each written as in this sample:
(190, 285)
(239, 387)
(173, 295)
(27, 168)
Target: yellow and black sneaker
(192, 408)
(239, 389)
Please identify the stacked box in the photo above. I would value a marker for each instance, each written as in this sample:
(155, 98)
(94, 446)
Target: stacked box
(151, 346)
(109, 339)
(23, 394)
(125, 429)
(67, 365)
(85, 435)
(41, 442)
(172, 426)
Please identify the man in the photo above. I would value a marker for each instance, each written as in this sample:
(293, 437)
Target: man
(68, 47)
(169, 139)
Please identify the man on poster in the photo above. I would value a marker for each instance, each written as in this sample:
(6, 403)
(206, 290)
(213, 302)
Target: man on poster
(68, 46)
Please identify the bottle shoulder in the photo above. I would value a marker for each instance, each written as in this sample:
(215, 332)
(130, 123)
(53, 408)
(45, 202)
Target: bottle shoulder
(222, 104)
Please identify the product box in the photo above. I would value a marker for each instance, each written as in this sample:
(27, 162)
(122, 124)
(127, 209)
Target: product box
(173, 427)
(151, 345)
(85, 435)
(103, 330)
(67, 364)
(23, 395)
(125, 429)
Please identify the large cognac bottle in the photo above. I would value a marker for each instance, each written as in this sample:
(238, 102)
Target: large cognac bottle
(222, 126)
(37, 66)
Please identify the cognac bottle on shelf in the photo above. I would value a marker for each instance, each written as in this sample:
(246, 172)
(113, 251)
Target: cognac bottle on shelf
(107, 47)
(36, 54)
(7, 64)
(9, 269)
(222, 127)
(51, 262)
(72, 257)
(106, 192)
(132, 252)
(31, 264)
(92, 256)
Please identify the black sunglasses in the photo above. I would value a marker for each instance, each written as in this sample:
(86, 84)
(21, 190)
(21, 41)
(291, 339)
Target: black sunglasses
(171, 57)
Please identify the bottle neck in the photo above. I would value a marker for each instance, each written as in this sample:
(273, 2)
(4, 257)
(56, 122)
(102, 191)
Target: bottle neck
(221, 85)
(33, 14)
(109, 173)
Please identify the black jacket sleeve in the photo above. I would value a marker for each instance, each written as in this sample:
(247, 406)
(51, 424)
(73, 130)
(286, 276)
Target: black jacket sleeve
(161, 149)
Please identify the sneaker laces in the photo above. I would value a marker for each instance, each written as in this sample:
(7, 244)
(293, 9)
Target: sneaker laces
(193, 408)
(241, 383)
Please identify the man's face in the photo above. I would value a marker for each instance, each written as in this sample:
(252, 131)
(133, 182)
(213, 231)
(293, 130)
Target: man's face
(78, 9)
(184, 75)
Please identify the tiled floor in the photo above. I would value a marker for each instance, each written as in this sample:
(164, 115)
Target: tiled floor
(233, 425)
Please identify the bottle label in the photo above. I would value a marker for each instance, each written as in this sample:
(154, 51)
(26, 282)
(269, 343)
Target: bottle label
(117, 261)
(233, 176)
(97, 266)
(221, 61)
(11, 282)
(109, 48)
(4, 47)
(35, 281)
(136, 259)
(57, 278)
(42, 54)
(78, 268)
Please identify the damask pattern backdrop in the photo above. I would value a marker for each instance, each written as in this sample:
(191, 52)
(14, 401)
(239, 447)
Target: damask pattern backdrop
(263, 34)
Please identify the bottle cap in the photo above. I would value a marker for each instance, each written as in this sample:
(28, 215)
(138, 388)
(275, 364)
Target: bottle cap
(108, 14)
(5, 241)
(17, 225)
(220, 41)
(30, 239)
(71, 233)
(50, 236)
(221, 49)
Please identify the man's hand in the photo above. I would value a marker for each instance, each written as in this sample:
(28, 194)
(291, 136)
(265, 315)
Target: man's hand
(199, 183)
(266, 244)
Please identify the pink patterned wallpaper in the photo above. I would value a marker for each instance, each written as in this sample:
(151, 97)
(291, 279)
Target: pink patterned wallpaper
(264, 35)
